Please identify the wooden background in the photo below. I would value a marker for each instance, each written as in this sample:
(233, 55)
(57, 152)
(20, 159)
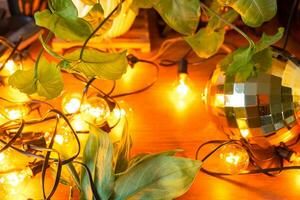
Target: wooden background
(158, 125)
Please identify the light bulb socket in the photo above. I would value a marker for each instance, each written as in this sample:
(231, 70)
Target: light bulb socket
(284, 152)
(41, 142)
(132, 60)
(183, 66)
(37, 167)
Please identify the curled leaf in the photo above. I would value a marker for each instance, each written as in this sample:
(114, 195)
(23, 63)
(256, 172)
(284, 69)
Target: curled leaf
(48, 82)
(98, 156)
(160, 177)
(246, 62)
(97, 64)
(253, 12)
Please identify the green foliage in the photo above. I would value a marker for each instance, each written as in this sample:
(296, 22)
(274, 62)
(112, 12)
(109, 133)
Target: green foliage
(154, 176)
(206, 42)
(122, 151)
(46, 82)
(157, 177)
(248, 61)
(98, 156)
(63, 21)
(181, 15)
(253, 12)
(97, 64)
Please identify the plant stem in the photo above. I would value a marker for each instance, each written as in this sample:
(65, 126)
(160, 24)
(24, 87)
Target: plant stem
(251, 43)
(98, 28)
(36, 65)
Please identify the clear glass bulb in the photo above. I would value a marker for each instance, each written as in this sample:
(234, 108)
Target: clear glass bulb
(16, 112)
(95, 110)
(9, 68)
(235, 157)
(79, 124)
(119, 118)
(182, 86)
(71, 103)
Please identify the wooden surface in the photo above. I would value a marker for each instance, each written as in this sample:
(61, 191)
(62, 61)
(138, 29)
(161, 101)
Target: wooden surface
(158, 125)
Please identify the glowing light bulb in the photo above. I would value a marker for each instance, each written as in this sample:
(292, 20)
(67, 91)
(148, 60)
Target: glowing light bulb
(79, 124)
(95, 111)
(245, 133)
(71, 103)
(235, 157)
(182, 87)
(16, 112)
(2, 157)
(9, 68)
(59, 139)
(118, 118)
(14, 179)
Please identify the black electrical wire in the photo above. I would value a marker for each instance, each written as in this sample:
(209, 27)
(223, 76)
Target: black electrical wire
(258, 170)
(144, 88)
(93, 186)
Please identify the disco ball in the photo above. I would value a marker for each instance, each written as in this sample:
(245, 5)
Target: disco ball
(264, 109)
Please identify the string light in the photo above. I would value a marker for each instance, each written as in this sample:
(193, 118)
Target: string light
(71, 103)
(15, 112)
(235, 158)
(95, 110)
(79, 124)
(10, 67)
(182, 87)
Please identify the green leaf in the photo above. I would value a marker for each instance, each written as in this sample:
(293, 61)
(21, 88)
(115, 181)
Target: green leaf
(206, 42)
(95, 16)
(181, 15)
(64, 8)
(123, 151)
(215, 23)
(98, 64)
(48, 82)
(254, 12)
(267, 40)
(98, 156)
(161, 177)
(66, 29)
(49, 50)
(246, 62)
(24, 81)
(143, 156)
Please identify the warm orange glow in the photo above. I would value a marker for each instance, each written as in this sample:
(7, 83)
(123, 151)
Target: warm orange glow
(244, 133)
(182, 87)
(235, 158)
(295, 159)
(219, 100)
(9, 68)
(59, 139)
(15, 178)
(182, 94)
(232, 158)
(71, 103)
(15, 112)
(95, 110)
(129, 74)
(79, 124)
(2, 157)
